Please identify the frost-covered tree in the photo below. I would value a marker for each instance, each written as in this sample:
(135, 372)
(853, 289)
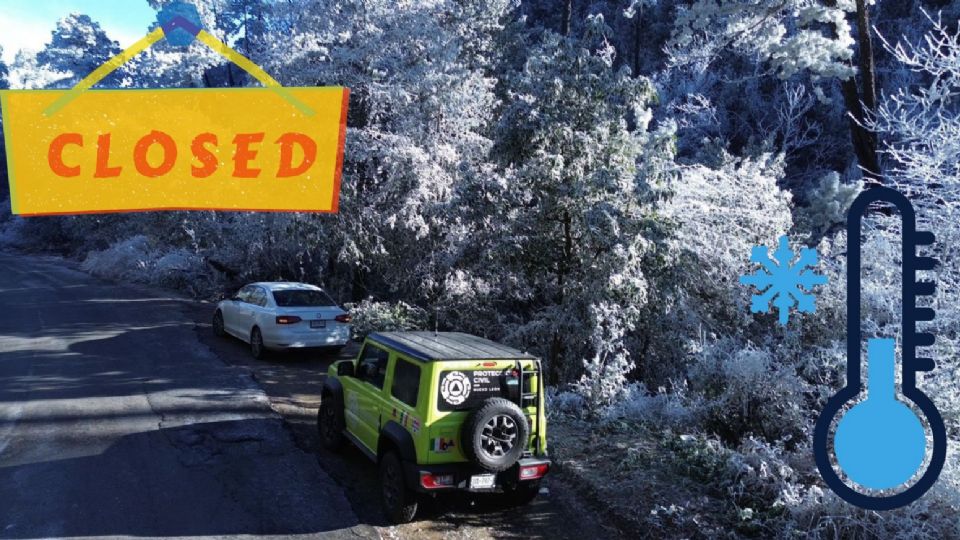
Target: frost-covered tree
(792, 37)
(419, 111)
(4, 72)
(922, 120)
(77, 47)
(568, 229)
(27, 74)
(243, 24)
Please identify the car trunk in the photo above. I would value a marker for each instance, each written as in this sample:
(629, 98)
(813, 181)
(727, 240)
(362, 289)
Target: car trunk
(312, 317)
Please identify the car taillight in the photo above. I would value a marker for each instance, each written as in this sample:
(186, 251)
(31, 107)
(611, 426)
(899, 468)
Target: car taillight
(288, 319)
(532, 472)
(435, 481)
(345, 318)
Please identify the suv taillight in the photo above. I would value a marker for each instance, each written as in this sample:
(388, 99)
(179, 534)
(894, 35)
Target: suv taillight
(435, 481)
(288, 319)
(345, 318)
(532, 472)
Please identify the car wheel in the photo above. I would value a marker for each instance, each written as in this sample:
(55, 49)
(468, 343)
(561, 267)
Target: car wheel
(330, 422)
(522, 493)
(399, 502)
(218, 324)
(256, 344)
(495, 434)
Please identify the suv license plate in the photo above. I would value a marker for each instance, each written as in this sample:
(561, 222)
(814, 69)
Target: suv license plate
(318, 324)
(482, 481)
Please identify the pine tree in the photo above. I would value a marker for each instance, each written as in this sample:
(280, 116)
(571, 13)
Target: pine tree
(77, 47)
(573, 223)
(4, 72)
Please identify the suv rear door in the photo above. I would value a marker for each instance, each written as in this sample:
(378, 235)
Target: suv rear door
(364, 395)
(400, 404)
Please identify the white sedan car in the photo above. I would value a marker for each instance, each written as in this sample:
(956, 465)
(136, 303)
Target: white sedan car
(282, 315)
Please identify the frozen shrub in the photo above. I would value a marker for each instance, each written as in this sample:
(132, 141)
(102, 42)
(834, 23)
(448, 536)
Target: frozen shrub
(719, 215)
(747, 390)
(605, 375)
(674, 409)
(184, 270)
(827, 203)
(565, 403)
(127, 259)
(696, 456)
(138, 259)
(372, 316)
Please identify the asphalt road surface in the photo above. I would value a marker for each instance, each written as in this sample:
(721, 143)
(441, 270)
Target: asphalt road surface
(114, 421)
(122, 415)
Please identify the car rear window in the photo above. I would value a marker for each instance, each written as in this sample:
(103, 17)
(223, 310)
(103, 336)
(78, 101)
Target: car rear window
(461, 390)
(302, 298)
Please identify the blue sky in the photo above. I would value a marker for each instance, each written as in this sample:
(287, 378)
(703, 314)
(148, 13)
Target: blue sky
(28, 23)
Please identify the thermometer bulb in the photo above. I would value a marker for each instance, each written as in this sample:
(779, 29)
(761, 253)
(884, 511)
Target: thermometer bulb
(880, 442)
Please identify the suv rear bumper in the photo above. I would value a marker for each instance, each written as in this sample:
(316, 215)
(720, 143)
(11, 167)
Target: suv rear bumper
(462, 472)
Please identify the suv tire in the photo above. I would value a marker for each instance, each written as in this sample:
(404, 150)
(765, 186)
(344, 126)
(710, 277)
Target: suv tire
(330, 422)
(495, 434)
(399, 501)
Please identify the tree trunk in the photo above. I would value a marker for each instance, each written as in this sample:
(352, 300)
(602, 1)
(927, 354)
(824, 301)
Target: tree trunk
(864, 141)
(868, 77)
(636, 44)
(358, 289)
(870, 161)
(554, 355)
(567, 17)
(862, 97)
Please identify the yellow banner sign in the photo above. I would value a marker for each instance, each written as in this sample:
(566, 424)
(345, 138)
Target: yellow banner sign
(184, 149)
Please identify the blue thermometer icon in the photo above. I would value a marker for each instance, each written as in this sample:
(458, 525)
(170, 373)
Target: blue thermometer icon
(880, 443)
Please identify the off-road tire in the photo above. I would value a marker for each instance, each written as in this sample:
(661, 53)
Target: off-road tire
(330, 423)
(399, 501)
(495, 434)
(217, 324)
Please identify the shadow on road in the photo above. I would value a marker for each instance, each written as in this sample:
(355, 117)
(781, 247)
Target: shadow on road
(115, 421)
(220, 478)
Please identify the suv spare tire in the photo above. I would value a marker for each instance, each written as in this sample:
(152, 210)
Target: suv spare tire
(495, 434)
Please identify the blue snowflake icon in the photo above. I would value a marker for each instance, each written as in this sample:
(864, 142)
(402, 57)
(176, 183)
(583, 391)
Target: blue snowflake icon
(781, 283)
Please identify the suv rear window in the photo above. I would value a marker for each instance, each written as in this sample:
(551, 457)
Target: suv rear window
(461, 390)
(406, 382)
(302, 298)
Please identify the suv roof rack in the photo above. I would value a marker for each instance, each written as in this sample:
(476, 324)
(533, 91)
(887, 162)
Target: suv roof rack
(430, 346)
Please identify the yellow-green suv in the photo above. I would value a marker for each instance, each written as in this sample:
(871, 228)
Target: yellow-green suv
(439, 412)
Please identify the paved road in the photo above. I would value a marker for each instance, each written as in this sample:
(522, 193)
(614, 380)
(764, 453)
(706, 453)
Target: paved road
(121, 414)
(116, 421)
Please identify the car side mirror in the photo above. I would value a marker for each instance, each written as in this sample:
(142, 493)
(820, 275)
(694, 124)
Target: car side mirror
(345, 369)
(234, 298)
